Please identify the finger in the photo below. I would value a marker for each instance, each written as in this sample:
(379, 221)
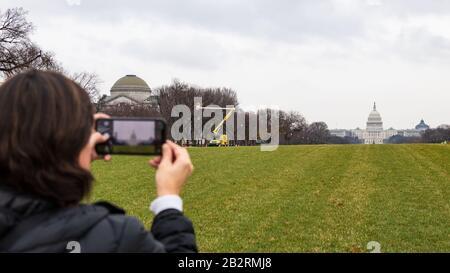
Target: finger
(182, 154)
(175, 149)
(178, 150)
(97, 138)
(167, 154)
(96, 156)
(104, 137)
(182, 157)
(157, 159)
(155, 162)
(94, 140)
(100, 116)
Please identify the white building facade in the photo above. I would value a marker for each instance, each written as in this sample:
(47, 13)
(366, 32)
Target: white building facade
(375, 133)
(131, 90)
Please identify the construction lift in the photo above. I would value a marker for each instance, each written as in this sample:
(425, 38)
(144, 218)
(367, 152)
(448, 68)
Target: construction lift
(219, 140)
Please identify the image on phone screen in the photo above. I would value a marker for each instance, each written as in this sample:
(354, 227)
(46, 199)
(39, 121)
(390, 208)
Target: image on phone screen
(129, 136)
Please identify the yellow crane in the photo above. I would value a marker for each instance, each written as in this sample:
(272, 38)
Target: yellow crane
(219, 140)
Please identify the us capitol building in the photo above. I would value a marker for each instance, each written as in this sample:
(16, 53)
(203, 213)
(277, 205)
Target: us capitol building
(374, 132)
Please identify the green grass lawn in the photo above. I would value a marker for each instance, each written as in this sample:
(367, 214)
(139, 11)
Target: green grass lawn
(321, 198)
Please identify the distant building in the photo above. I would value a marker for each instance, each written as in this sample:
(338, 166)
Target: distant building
(133, 139)
(422, 126)
(416, 132)
(131, 90)
(374, 132)
(341, 133)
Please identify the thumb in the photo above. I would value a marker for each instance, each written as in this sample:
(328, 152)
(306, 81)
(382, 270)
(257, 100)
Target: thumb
(97, 138)
(103, 138)
(167, 154)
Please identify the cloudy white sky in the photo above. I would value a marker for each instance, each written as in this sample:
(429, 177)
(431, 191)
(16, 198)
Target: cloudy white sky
(328, 59)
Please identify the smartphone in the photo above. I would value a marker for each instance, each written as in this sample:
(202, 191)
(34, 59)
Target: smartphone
(133, 136)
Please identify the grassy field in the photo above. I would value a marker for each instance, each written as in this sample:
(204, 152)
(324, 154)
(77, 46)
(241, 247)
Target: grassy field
(302, 198)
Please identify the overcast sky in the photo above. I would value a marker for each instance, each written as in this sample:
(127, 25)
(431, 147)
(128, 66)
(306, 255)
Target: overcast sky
(328, 59)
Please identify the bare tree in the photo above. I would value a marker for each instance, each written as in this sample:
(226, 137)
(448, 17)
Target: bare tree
(437, 135)
(292, 127)
(89, 82)
(317, 133)
(17, 51)
(130, 110)
(183, 93)
(100, 105)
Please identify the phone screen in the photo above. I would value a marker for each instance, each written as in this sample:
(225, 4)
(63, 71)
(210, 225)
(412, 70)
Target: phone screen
(131, 136)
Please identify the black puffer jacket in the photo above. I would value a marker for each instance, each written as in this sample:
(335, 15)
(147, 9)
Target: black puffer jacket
(30, 224)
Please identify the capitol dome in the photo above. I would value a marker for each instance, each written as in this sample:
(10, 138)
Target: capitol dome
(422, 126)
(374, 122)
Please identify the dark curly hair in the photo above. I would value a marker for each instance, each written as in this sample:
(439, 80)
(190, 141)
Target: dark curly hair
(45, 121)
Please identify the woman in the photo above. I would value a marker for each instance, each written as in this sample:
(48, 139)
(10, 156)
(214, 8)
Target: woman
(47, 141)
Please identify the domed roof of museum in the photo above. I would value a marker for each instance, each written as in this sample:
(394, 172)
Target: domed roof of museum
(131, 83)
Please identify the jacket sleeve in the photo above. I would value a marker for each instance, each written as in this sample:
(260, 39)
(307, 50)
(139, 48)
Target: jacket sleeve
(171, 232)
(174, 231)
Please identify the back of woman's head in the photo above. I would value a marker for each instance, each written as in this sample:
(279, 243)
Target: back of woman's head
(45, 121)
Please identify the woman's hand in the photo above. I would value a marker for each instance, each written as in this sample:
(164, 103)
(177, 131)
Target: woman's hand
(88, 153)
(97, 138)
(173, 169)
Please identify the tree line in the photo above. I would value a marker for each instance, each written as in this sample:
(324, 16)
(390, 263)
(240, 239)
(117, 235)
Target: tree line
(19, 53)
(437, 135)
(293, 127)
